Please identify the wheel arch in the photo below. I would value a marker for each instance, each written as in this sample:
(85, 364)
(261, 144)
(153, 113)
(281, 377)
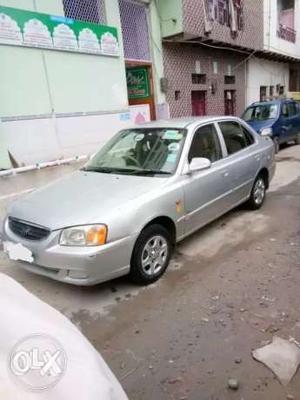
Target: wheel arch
(265, 173)
(167, 223)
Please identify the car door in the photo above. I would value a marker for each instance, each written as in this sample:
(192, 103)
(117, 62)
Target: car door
(206, 191)
(243, 159)
(294, 121)
(286, 121)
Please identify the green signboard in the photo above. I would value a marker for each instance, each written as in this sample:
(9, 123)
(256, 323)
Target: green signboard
(138, 84)
(31, 29)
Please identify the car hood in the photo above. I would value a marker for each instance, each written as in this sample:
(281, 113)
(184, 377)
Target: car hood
(82, 198)
(259, 125)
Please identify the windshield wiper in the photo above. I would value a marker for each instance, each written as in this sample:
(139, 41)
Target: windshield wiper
(150, 172)
(106, 170)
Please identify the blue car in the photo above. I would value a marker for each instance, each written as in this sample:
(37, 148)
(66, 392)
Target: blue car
(279, 119)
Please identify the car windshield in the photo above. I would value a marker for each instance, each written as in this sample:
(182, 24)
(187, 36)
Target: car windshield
(141, 151)
(261, 112)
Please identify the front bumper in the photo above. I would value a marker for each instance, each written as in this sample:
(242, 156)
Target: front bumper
(82, 266)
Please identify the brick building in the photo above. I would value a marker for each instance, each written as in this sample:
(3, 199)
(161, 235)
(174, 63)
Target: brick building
(215, 55)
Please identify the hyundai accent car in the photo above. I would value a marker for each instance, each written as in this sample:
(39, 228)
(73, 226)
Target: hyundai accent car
(147, 189)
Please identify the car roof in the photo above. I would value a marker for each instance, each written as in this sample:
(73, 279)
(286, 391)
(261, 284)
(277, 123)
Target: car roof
(278, 101)
(183, 123)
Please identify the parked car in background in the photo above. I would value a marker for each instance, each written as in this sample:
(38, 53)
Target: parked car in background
(279, 119)
(148, 188)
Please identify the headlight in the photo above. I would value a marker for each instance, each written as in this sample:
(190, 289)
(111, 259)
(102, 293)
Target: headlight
(266, 132)
(88, 235)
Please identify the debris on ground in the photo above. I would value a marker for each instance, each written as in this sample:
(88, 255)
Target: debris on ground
(233, 384)
(281, 356)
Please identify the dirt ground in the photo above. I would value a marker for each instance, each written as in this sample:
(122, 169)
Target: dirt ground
(230, 288)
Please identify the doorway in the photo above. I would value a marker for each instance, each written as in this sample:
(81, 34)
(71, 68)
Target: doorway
(198, 102)
(140, 89)
(229, 102)
(293, 80)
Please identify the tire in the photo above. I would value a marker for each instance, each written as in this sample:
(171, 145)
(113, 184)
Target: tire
(297, 141)
(147, 268)
(276, 144)
(258, 193)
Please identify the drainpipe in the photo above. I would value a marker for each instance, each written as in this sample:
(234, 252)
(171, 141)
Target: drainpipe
(246, 82)
(207, 22)
(55, 128)
(269, 16)
(233, 16)
(14, 171)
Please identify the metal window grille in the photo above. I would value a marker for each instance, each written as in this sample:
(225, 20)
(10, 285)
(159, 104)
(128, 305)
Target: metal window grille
(199, 79)
(229, 80)
(219, 10)
(85, 10)
(135, 30)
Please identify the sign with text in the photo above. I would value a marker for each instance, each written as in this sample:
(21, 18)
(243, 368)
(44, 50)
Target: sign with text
(138, 84)
(32, 29)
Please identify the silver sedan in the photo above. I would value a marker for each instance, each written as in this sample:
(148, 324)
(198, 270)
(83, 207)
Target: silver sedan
(148, 188)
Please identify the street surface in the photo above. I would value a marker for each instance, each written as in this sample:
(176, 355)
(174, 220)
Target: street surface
(229, 289)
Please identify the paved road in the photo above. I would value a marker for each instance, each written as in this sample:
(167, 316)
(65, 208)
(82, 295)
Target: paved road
(230, 287)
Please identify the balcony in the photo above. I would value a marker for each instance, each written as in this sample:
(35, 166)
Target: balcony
(286, 21)
(286, 33)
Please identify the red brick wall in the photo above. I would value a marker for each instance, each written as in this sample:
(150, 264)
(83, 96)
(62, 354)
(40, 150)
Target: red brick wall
(251, 36)
(179, 64)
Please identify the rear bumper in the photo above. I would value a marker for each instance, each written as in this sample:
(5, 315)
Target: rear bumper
(83, 266)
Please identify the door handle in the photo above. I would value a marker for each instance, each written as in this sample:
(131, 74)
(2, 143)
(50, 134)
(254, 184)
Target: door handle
(225, 174)
(257, 157)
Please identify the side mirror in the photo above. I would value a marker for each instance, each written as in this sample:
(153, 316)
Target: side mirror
(266, 132)
(199, 164)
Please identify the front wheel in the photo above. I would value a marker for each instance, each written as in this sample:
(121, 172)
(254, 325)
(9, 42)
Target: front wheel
(297, 138)
(151, 255)
(258, 193)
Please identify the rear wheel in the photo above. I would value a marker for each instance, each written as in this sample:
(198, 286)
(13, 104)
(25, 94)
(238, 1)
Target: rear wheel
(151, 255)
(297, 138)
(258, 193)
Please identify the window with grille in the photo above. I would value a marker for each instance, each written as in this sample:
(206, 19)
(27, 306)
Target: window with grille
(177, 95)
(229, 79)
(219, 10)
(134, 21)
(199, 79)
(85, 10)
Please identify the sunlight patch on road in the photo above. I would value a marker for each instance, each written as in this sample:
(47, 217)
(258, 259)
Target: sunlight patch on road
(227, 233)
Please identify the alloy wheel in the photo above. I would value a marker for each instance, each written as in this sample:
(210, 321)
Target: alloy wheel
(259, 191)
(154, 255)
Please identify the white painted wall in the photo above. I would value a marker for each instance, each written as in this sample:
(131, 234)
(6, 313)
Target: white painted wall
(262, 72)
(46, 139)
(271, 41)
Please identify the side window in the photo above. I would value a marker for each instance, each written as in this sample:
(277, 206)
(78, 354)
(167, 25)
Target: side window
(285, 112)
(292, 109)
(206, 144)
(235, 136)
(249, 137)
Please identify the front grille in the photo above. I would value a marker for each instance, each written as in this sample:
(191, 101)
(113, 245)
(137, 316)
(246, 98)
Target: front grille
(27, 231)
